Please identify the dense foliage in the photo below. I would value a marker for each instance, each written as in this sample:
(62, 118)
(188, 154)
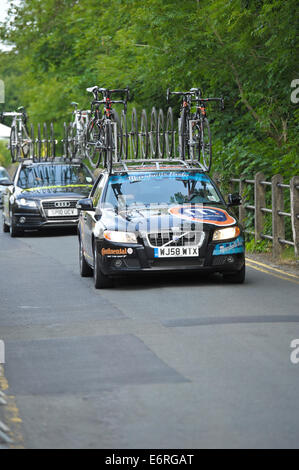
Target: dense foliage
(244, 50)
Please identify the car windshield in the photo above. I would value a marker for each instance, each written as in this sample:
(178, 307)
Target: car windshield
(145, 188)
(38, 176)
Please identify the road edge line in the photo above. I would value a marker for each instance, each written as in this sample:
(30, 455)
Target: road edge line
(11, 415)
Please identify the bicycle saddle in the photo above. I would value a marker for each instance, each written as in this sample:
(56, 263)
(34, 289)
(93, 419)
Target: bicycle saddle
(92, 89)
(73, 103)
(21, 108)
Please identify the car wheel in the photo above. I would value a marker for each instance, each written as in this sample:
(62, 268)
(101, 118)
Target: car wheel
(14, 232)
(85, 269)
(5, 226)
(100, 280)
(235, 278)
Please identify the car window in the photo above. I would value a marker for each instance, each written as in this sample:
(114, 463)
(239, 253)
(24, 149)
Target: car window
(3, 174)
(53, 175)
(145, 188)
(98, 191)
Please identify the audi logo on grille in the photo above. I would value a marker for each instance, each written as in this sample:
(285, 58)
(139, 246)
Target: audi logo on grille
(63, 204)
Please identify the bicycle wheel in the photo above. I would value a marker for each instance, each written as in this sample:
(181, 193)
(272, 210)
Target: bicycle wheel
(108, 146)
(169, 134)
(183, 134)
(196, 142)
(13, 144)
(144, 135)
(25, 142)
(161, 134)
(91, 145)
(118, 138)
(45, 142)
(125, 135)
(52, 142)
(32, 143)
(134, 134)
(39, 142)
(206, 145)
(71, 141)
(65, 141)
(153, 133)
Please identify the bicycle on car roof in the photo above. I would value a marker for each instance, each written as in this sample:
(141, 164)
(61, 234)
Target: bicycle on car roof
(194, 133)
(104, 136)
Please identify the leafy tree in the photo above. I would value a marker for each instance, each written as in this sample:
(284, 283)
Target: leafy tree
(245, 50)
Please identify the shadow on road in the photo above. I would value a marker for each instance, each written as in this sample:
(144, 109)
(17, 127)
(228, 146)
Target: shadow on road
(49, 232)
(178, 280)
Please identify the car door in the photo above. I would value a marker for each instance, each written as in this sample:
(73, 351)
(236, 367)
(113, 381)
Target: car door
(7, 197)
(89, 219)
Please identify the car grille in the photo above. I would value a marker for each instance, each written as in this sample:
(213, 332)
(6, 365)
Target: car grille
(171, 238)
(177, 263)
(51, 204)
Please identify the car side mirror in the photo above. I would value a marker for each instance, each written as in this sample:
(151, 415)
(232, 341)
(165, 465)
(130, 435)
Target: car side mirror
(85, 205)
(234, 199)
(5, 182)
(98, 213)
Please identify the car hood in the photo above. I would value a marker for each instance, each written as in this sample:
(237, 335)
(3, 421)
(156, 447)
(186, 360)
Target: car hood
(73, 191)
(186, 216)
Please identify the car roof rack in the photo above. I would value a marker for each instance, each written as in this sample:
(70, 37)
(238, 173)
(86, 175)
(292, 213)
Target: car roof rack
(156, 164)
(31, 161)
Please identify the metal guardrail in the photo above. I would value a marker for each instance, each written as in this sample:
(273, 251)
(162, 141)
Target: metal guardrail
(277, 211)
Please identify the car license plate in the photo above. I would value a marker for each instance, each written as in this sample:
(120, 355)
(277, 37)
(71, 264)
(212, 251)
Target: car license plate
(62, 212)
(173, 252)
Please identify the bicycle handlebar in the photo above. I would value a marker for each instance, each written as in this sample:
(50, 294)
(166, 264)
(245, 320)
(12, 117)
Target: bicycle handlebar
(106, 91)
(14, 114)
(194, 92)
(111, 101)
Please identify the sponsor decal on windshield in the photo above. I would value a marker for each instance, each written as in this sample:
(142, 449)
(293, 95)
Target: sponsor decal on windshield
(141, 176)
(203, 214)
(40, 188)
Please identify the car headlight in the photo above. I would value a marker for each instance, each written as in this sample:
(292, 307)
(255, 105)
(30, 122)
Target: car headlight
(26, 203)
(120, 237)
(226, 233)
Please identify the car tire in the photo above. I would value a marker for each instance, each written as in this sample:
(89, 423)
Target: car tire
(101, 281)
(235, 278)
(5, 227)
(85, 269)
(14, 232)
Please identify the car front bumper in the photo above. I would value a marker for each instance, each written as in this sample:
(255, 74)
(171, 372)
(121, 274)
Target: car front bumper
(29, 220)
(119, 260)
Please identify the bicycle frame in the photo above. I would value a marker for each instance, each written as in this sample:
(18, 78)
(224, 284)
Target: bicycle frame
(19, 127)
(80, 123)
(102, 119)
(194, 130)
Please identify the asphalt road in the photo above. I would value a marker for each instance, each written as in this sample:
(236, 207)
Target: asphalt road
(163, 362)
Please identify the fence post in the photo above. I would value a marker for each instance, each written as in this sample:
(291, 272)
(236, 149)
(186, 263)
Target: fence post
(259, 202)
(216, 178)
(294, 196)
(278, 224)
(242, 210)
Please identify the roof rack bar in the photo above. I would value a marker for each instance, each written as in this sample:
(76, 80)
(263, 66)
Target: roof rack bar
(188, 164)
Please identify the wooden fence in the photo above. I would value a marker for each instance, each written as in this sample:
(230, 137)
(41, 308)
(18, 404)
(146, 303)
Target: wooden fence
(277, 209)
